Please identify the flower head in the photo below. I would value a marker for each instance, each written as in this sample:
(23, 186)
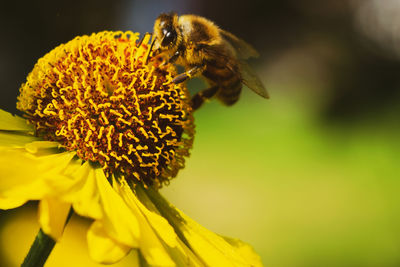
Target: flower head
(107, 128)
(97, 96)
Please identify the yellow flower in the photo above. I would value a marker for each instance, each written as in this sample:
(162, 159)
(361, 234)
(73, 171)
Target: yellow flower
(106, 129)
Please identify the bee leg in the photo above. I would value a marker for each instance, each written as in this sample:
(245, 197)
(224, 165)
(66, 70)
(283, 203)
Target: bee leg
(189, 74)
(172, 59)
(199, 98)
(141, 39)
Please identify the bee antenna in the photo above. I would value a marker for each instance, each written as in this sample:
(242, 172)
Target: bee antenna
(150, 48)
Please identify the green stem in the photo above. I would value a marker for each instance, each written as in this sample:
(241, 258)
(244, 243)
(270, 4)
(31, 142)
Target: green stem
(41, 248)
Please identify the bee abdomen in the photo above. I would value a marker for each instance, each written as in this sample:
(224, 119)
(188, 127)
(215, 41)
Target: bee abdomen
(229, 91)
(228, 81)
(218, 75)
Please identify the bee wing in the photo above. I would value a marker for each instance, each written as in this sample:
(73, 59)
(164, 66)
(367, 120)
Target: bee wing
(243, 49)
(245, 72)
(251, 80)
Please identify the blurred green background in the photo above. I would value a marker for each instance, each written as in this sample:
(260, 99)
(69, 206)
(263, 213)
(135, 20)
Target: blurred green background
(310, 177)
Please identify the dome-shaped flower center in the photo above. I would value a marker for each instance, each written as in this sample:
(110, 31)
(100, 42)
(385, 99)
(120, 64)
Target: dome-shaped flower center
(98, 96)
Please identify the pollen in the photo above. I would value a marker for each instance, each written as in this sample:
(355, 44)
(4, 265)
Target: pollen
(104, 97)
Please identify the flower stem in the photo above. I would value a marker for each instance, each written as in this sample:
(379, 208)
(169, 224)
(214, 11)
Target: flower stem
(41, 248)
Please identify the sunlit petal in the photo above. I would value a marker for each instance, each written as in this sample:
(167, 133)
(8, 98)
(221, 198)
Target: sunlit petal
(150, 244)
(118, 221)
(178, 250)
(84, 194)
(102, 248)
(41, 147)
(11, 122)
(23, 173)
(159, 224)
(212, 249)
(11, 203)
(184, 256)
(245, 250)
(52, 216)
(15, 139)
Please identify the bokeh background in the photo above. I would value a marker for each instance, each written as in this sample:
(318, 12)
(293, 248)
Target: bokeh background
(310, 177)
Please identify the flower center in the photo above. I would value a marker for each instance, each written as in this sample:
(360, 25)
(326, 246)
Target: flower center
(98, 96)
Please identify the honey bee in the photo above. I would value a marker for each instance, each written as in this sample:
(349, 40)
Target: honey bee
(204, 49)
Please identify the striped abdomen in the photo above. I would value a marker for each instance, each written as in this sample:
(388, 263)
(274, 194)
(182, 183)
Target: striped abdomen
(228, 81)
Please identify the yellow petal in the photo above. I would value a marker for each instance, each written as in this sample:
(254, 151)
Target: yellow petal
(11, 122)
(183, 256)
(86, 197)
(15, 139)
(79, 187)
(102, 248)
(118, 220)
(36, 147)
(69, 180)
(52, 216)
(177, 250)
(158, 223)
(150, 245)
(245, 250)
(24, 175)
(11, 203)
(212, 249)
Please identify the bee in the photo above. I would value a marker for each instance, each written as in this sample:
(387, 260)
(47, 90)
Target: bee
(204, 49)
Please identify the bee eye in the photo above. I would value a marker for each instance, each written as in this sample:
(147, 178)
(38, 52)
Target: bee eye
(169, 36)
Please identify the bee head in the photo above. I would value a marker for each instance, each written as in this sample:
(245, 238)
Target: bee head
(167, 31)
